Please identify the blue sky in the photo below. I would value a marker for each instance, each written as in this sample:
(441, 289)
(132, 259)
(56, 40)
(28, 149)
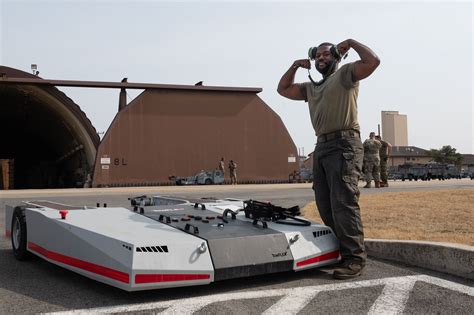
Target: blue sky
(426, 50)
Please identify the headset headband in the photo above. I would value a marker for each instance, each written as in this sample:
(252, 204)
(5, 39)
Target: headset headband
(334, 52)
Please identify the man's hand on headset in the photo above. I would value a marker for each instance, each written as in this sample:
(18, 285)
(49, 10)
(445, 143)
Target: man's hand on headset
(303, 63)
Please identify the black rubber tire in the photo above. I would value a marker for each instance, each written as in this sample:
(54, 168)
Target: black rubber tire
(19, 235)
(208, 181)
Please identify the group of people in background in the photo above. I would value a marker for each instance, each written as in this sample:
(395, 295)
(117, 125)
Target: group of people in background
(376, 153)
(232, 170)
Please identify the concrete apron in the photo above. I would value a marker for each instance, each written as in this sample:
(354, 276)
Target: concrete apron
(454, 259)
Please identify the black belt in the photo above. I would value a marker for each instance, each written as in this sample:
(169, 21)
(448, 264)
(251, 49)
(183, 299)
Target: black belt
(338, 134)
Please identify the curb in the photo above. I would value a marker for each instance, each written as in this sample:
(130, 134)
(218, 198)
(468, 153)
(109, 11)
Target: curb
(453, 259)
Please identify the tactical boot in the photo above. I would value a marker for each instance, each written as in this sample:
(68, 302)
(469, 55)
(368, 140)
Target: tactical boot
(385, 184)
(340, 264)
(377, 184)
(367, 185)
(351, 269)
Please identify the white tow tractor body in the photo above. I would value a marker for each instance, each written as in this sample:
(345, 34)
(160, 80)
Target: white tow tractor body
(171, 243)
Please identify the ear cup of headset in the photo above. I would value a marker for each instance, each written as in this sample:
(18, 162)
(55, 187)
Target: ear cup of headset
(312, 53)
(336, 54)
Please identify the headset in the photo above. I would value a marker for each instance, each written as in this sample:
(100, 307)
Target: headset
(334, 52)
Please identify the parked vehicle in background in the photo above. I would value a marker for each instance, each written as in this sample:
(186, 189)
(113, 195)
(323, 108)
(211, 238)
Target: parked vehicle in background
(470, 171)
(413, 172)
(437, 171)
(394, 176)
(453, 171)
(426, 171)
(304, 175)
(202, 178)
(307, 175)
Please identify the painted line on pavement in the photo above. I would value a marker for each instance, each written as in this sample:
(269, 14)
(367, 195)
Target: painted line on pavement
(393, 298)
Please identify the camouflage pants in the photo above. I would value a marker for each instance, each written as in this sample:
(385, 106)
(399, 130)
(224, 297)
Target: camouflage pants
(372, 170)
(233, 176)
(383, 169)
(337, 166)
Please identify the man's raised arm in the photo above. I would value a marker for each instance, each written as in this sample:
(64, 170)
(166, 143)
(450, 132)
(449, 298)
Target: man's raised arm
(368, 59)
(287, 86)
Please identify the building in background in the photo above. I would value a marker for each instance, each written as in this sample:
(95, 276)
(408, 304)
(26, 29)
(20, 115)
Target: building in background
(467, 164)
(394, 128)
(180, 130)
(49, 142)
(408, 155)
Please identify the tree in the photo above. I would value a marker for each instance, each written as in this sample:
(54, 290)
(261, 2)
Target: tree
(447, 155)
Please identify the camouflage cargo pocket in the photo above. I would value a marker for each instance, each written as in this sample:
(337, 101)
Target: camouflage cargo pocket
(349, 172)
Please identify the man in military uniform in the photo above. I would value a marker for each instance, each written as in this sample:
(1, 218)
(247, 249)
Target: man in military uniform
(385, 152)
(233, 172)
(337, 158)
(222, 167)
(372, 160)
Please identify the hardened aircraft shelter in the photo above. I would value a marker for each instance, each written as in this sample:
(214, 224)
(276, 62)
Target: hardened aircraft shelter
(167, 130)
(181, 130)
(47, 140)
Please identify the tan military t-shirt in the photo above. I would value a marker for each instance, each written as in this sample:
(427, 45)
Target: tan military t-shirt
(333, 105)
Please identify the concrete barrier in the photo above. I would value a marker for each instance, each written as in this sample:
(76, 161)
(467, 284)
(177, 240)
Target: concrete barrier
(454, 259)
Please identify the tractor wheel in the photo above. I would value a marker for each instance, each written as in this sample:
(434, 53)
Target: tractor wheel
(18, 234)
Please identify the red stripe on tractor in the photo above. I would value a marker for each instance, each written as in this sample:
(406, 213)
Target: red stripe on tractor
(313, 260)
(81, 264)
(8, 233)
(150, 278)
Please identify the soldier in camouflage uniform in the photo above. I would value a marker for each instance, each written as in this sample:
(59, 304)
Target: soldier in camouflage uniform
(222, 167)
(233, 172)
(372, 160)
(384, 153)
